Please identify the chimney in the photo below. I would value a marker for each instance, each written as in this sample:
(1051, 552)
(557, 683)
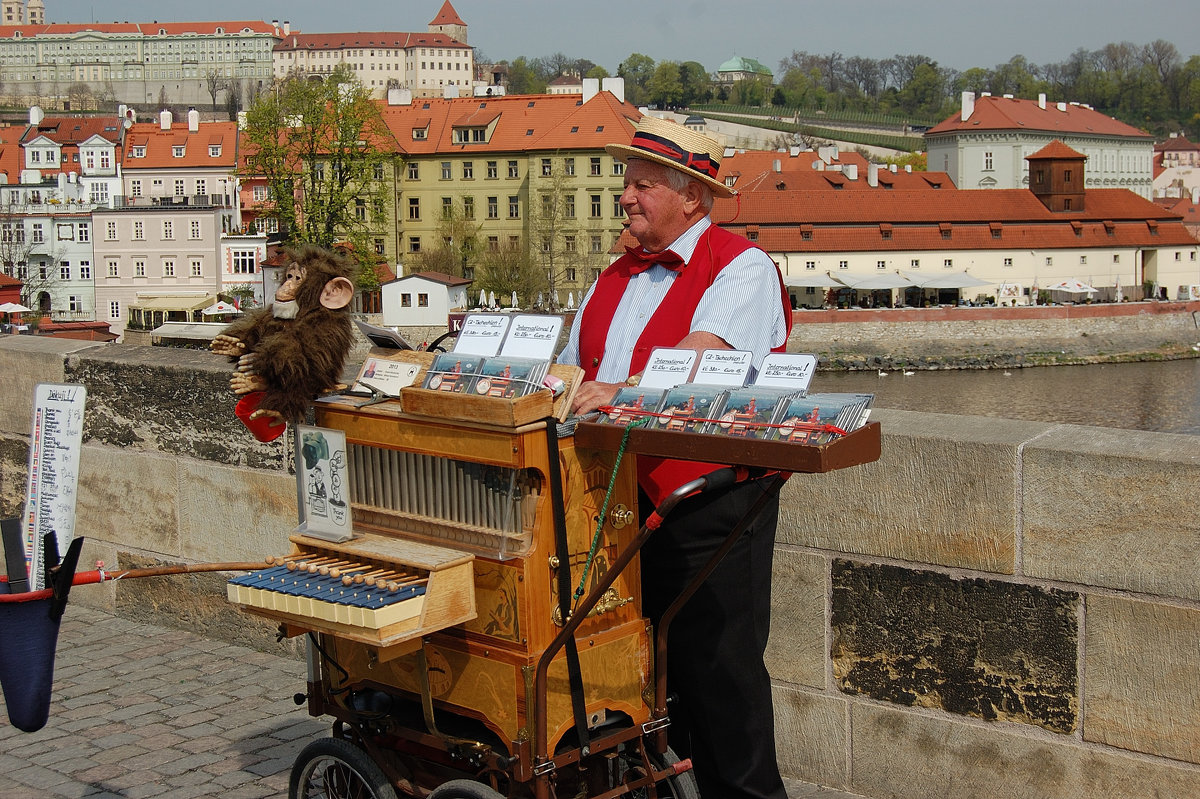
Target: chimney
(793, 151)
(968, 106)
(398, 96)
(287, 28)
(164, 120)
(1062, 106)
(36, 115)
(893, 169)
(777, 165)
(873, 175)
(1042, 101)
(1196, 196)
(850, 171)
(615, 87)
(591, 87)
(193, 121)
(1008, 96)
(908, 168)
(449, 92)
(241, 120)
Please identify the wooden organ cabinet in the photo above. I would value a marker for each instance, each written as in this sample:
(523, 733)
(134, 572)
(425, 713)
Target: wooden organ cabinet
(458, 490)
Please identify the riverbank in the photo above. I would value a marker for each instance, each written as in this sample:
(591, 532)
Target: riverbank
(997, 338)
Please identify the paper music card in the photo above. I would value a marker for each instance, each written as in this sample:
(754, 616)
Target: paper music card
(531, 336)
(504, 376)
(748, 412)
(787, 370)
(385, 376)
(322, 479)
(630, 404)
(481, 334)
(807, 420)
(686, 408)
(668, 367)
(724, 367)
(452, 371)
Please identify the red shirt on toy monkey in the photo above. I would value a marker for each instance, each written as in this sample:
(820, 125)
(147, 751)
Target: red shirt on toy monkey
(294, 349)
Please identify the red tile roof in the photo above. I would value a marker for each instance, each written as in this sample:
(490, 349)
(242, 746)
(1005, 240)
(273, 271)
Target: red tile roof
(1055, 150)
(446, 15)
(522, 122)
(1006, 113)
(439, 277)
(341, 41)
(66, 131)
(145, 28)
(1175, 143)
(160, 145)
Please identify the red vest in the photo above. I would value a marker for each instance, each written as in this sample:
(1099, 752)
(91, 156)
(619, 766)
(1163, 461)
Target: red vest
(670, 323)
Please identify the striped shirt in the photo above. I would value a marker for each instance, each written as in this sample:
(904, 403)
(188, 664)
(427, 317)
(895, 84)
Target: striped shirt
(742, 307)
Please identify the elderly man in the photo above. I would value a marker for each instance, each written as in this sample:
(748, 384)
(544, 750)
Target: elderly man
(691, 284)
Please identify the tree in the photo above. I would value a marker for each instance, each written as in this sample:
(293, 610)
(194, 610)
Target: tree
(328, 160)
(522, 79)
(80, 96)
(636, 70)
(458, 240)
(664, 88)
(24, 255)
(214, 81)
(697, 85)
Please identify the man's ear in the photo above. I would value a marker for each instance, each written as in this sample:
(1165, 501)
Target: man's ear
(337, 293)
(693, 197)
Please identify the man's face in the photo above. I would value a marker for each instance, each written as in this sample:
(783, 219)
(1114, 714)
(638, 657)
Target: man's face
(655, 211)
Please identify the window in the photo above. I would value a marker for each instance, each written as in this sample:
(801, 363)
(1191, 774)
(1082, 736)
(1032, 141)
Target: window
(114, 267)
(447, 208)
(414, 170)
(493, 211)
(75, 302)
(569, 166)
(110, 231)
(98, 192)
(514, 207)
(1083, 259)
(139, 151)
(569, 206)
(85, 270)
(547, 205)
(114, 309)
(569, 243)
(597, 244)
(64, 270)
(1049, 260)
(594, 167)
(987, 162)
(360, 209)
(178, 151)
(1178, 255)
(595, 198)
(468, 207)
(1116, 258)
(201, 187)
(414, 243)
(414, 208)
(547, 170)
(915, 263)
(139, 233)
(139, 268)
(513, 170)
(179, 190)
(168, 229)
(168, 268)
(1066, 176)
(197, 270)
(243, 262)
(135, 188)
(493, 170)
(39, 236)
(377, 171)
(468, 170)
(493, 243)
(545, 244)
(1008, 261)
(405, 300)
(810, 265)
(445, 170)
(881, 264)
(422, 300)
(214, 151)
(948, 263)
(618, 168)
(319, 171)
(379, 247)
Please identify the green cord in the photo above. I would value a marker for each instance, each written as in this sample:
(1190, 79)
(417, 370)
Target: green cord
(612, 483)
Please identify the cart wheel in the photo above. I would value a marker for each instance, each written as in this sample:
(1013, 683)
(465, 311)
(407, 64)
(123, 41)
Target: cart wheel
(330, 768)
(464, 789)
(681, 786)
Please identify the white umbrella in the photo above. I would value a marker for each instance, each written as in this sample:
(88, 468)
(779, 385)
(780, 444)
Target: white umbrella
(491, 299)
(541, 300)
(219, 308)
(815, 280)
(954, 280)
(482, 297)
(514, 299)
(884, 280)
(1071, 286)
(1118, 294)
(571, 300)
(14, 307)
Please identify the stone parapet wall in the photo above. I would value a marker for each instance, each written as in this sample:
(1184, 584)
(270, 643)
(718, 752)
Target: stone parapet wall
(995, 608)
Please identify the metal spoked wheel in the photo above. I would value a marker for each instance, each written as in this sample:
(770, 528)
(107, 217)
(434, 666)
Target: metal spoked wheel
(331, 768)
(464, 789)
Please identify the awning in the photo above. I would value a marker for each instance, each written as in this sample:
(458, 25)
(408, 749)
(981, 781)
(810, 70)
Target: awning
(169, 302)
(883, 280)
(811, 280)
(954, 280)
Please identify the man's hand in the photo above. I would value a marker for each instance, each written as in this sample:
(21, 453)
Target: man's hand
(227, 345)
(591, 395)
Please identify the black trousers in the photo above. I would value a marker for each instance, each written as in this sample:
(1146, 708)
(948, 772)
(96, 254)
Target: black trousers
(723, 716)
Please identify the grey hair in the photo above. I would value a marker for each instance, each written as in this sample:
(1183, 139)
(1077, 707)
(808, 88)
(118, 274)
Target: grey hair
(678, 181)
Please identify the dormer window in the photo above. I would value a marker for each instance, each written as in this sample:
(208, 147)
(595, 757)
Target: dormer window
(214, 151)
(179, 150)
(139, 151)
(419, 134)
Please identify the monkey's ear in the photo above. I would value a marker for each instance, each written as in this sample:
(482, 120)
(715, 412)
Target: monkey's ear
(337, 293)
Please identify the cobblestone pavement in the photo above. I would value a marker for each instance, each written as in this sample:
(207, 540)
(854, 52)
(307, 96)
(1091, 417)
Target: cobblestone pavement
(143, 711)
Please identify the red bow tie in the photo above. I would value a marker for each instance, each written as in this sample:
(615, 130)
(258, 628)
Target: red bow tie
(643, 260)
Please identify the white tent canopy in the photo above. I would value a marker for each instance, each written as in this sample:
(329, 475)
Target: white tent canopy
(1071, 286)
(954, 280)
(219, 308)
(816, 280)
(883, 280)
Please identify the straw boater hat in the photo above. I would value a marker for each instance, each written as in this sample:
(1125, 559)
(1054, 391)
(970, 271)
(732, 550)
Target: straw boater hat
(671, 144)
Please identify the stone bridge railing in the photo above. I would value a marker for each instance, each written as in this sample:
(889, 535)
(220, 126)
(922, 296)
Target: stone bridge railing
(994, 608)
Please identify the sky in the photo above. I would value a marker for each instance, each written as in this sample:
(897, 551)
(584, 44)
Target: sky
(958, 35)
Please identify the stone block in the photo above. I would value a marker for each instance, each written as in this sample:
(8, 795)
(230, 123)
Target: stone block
(984, 648)
(796, 650)
(1110, 508)
(129, 499)
(14, 475)
(912, 756)
(1140, 689)
(811, 735)
(234, 514)
(943, 492)
(26, 361)
(164, 399)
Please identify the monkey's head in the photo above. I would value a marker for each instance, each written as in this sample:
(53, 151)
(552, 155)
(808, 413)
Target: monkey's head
(316, 278)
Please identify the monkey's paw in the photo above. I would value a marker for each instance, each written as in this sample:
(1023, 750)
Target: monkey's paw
(245, 382)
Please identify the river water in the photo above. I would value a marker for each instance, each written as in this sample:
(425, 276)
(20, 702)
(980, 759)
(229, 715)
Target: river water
(1160, 396)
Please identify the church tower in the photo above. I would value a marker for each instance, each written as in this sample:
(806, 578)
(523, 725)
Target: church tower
(12, 12)
(36, 11)
(449, 23)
